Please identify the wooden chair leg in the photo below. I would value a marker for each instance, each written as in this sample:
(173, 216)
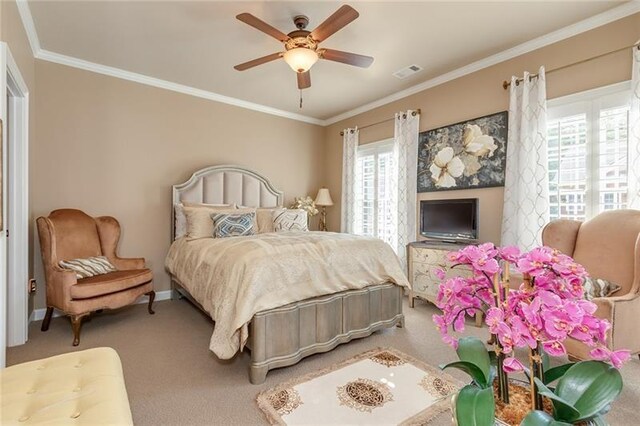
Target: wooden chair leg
(152, 296)
(47, 319)
(76, 324)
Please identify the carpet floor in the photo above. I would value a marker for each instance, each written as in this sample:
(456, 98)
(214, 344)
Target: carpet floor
(173, 379)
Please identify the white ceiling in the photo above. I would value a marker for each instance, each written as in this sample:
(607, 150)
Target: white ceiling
(198, 43)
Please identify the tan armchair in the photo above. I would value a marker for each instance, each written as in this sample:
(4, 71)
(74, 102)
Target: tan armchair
(608, 246)
(71, 234)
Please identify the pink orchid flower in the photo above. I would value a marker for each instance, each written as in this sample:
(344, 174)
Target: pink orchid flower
(619, 357)
(534, 262)
(494, 317)
(510, 253)
(505, 336)
(512, 365)
(522, 334)
(554, 348)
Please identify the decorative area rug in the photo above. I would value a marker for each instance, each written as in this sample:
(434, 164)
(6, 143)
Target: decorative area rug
(382, 386)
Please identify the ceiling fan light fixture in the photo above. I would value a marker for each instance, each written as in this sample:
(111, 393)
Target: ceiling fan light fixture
(300, 59)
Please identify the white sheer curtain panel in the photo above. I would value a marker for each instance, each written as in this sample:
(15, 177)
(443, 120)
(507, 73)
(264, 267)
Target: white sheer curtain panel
(349, 148)
(634, 133)
(405, 154)
(526, 190)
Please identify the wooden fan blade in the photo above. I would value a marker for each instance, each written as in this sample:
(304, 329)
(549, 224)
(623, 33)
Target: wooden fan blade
(259, 61)
(334, 23)
(260, 25)
(304, 80)
(346, 58)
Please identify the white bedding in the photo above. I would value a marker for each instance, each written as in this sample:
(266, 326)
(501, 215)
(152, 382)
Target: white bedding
(234, 278)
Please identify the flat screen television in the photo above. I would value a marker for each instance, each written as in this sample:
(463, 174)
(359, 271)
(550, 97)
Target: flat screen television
(449, 220)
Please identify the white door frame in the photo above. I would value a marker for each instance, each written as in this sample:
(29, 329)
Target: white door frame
(14, 297)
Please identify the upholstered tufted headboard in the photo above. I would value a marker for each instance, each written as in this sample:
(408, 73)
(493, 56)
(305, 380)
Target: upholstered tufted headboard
(226, 185)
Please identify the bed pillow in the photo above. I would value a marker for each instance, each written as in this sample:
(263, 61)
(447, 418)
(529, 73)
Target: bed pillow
(597, 287)
(89, 267)
(199, 222)
(264, 219)
(290, 220)
(233, 224)
(181, 220)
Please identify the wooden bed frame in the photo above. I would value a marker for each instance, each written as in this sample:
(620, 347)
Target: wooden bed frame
(283, 336)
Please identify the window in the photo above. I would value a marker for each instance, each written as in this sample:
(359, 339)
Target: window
(374, 208)
(587, 141)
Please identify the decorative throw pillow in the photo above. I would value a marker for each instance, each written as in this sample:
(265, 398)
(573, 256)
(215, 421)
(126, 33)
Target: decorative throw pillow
(199, 223)
(290, 220)
(264, 219)
(597, 287)
(181, 219)
(89, 267)
(233, 224)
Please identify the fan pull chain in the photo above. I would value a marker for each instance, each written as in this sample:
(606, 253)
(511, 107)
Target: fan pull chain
(300, 98)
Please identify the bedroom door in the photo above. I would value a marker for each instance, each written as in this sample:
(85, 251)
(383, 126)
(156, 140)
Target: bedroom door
(14, 249)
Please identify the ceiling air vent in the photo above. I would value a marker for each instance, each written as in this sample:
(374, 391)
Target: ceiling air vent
(407, 71)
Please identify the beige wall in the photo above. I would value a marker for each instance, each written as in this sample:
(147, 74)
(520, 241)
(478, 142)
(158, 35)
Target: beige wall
(481, 93)
(113, 147)
(12, 32)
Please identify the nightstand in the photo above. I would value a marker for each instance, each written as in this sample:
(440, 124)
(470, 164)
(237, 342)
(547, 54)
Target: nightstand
(423, 258)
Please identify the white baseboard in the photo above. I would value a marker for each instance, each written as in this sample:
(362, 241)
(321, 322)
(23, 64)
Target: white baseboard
(38, 314)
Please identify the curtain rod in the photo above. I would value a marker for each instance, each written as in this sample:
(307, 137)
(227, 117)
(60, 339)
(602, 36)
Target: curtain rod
(506, 84)
(413, 113)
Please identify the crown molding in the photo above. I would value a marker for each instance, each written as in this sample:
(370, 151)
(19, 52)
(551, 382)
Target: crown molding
(595, 21)
(622, 11)
(29, 26)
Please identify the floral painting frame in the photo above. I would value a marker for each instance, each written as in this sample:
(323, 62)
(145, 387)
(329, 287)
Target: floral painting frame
(466, 155)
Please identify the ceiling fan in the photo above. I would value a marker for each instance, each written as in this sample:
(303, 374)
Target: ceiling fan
(301, 46)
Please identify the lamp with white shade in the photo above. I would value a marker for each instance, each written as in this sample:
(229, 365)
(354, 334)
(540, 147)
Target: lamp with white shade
(323, 199)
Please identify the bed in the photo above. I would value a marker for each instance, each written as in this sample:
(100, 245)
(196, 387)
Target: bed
(281, 334)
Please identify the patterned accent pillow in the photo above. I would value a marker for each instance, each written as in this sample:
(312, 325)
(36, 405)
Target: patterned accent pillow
(233, 224)
(597, 287)
(89, 267)
(290, 220)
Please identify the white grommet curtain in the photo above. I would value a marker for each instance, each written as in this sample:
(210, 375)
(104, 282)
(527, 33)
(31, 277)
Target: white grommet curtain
(634, 133)
(349, 158)
(526, 190)
(405, 156)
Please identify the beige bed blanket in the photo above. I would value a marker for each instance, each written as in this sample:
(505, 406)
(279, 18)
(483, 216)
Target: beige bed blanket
(234, 278)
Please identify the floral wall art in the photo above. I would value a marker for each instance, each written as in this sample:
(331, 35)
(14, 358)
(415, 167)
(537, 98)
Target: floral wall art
(470, 154)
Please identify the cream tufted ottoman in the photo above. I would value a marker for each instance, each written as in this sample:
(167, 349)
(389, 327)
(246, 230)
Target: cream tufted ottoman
(78, 388)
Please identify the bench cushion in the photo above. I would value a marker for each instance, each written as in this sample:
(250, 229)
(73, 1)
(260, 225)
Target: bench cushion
(113, 282)
(78, 388)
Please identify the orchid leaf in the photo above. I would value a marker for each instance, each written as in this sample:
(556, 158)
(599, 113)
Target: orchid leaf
(475, 406)
(589, 386)
(563, 410)
(471, 369)
(553, 374)
(540, 418)
(473, 350)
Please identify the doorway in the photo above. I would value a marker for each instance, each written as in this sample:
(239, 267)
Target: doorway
(14, 233)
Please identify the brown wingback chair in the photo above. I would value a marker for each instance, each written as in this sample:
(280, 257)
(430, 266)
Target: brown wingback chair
(608, 246)
(68, 234)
